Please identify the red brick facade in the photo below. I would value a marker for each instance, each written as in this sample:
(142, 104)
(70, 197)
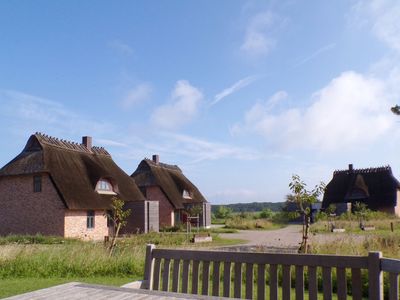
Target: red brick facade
(24, 212)
(166, 210)
(75, 225)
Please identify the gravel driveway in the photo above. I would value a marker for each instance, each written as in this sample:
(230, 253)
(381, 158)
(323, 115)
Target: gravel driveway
(285, 239)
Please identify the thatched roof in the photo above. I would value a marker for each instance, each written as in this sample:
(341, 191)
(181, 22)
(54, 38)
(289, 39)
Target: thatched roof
(171, 181)
(75, 170)
(376, 187)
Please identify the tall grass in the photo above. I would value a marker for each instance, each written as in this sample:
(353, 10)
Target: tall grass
(241, 223)
(71, 260)
(348, 244)
(36, 256)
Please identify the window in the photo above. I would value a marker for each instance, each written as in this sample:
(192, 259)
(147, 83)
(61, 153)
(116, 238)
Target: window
(186, 194)
(90, 219)
(37, 184)
(104, 186)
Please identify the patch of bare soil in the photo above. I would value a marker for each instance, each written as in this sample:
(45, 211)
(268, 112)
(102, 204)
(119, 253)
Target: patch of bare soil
(280, 240)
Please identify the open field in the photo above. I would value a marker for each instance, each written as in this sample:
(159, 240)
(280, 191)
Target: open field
(355, 241)
(30, 263)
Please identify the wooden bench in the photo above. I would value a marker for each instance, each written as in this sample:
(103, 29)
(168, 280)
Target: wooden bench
(251, 275)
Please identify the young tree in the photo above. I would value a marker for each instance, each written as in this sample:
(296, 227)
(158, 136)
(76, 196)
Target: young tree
(266, 213)
(118, 216)
(361, 211)
(223, 212)
(303, 199)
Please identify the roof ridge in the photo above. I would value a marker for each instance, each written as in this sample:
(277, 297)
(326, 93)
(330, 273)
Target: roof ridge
(69, 145)
(163, 165)
(365, 170)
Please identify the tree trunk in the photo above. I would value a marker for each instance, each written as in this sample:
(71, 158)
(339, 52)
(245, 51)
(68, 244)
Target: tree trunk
(306, 234)
(114, 240)
(306, 229)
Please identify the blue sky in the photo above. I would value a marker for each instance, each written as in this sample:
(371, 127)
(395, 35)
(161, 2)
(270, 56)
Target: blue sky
(240, 94)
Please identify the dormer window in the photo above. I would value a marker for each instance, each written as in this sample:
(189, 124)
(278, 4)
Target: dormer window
(104, 186)
(186, 194)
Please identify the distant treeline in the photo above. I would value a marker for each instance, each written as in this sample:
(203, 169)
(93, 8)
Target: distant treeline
(249, 207)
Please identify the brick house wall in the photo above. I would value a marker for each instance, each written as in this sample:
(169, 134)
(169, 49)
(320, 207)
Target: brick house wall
(76, 226)
(24, 212)
(166, 210)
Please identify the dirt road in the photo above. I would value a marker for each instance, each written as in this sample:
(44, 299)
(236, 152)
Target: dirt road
(285, 240)
(288, 238)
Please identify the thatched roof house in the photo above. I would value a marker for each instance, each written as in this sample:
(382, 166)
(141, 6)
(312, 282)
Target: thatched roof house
(174, 191)
(376, 187)
(74, 179)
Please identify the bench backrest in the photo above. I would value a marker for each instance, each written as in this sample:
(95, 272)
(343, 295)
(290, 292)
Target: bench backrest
(271, 276)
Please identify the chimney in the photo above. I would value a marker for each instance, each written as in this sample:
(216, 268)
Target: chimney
(156, 158)
(351, 168)
(87, 142)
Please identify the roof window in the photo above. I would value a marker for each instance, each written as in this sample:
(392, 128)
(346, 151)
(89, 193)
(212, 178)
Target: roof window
(186, 194)
(104, 186)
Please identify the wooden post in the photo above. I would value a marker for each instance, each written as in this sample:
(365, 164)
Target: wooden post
(391, 226)
(375, 276)
(148, 266)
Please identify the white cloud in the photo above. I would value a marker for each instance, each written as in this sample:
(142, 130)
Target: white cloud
(315, 54)
(200, 150)
(107, 142)
(31, 113)
(259, 39)
(121, 47)
(182, 107)
(351, 111)
(234, 195)
(383, 18)
(234, 88)
(136, 95)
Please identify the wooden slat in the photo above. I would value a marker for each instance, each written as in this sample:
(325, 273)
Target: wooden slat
(238, 280)
(312, 283)
(286, 282)
(356, 290)
(299, 283)
(195, 277)
(148, 266)
(216, 279)
(175, 275)
(261, 282)
(390, 265)
(273, 282)
(166, 271)
(156, 277)
(227, 279)
(266, 258)
(327, 283)
(249, 281)
(394, 286)
(375, 276)
(185, 276)
(341, 283)
(206, 277)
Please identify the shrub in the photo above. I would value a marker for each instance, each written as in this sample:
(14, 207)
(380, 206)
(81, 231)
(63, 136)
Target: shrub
(244, 223)
(266, 213)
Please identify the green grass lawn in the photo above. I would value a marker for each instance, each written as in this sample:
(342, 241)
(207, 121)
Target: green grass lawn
(16, 286)
(31, 263)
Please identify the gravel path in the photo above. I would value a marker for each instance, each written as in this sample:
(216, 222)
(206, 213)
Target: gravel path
(284, 240)
(287, 239)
